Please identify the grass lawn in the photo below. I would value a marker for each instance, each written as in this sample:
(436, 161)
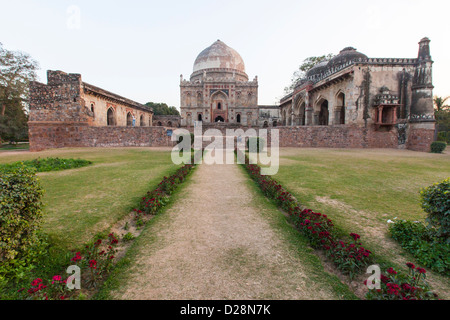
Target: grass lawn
(80, 203)
(14, 147)
(360, 189)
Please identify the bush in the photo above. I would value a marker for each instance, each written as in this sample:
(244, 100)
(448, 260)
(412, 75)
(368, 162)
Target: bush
(20, 219)
(435, 201)
(423, 243)
(438, 146)
(255, 141)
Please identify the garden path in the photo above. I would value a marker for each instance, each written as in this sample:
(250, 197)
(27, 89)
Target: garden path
(214, 243)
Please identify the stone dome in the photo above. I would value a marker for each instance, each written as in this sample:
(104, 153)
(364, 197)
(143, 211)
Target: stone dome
(317, 69)
(345, 55)
(219, 56)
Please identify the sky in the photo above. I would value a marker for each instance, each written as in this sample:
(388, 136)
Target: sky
(139, 49)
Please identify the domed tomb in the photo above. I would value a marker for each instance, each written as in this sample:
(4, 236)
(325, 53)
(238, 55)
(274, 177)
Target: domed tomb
(219, 61)
(345, 55)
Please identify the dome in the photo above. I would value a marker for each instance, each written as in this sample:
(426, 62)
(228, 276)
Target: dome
(219, 56)
(346, 55)
(318, 68)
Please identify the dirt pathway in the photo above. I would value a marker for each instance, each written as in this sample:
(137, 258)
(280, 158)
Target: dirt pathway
(214, 244)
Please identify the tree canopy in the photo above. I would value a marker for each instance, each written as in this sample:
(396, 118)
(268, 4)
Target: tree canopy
(307, 64)
(439, 103)
(162, 109)
(17, 69)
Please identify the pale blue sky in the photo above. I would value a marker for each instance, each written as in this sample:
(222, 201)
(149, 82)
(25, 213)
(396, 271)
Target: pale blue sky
(139, 49)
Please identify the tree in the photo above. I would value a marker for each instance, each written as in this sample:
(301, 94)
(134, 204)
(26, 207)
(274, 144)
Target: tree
(162, 109)
(307, 64)
(439, 103)
(17, 69)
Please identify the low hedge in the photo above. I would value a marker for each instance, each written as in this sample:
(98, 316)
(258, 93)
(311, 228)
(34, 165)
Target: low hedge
(438, 146)
(48, 164)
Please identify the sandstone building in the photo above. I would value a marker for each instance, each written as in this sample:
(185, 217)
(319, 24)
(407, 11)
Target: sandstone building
(392, 95)
(351, 101)
(67, 112)
(219, 90)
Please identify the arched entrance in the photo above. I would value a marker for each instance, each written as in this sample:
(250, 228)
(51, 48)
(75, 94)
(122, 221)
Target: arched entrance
(111, 119)
(340, 108)
(199, 117)
(219, 119)
(238, 118)
(129, 119)
(323, 114)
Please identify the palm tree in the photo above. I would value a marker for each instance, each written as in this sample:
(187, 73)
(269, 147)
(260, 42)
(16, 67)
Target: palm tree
(439, 103)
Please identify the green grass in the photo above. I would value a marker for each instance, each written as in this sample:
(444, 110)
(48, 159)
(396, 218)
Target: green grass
(14, 147)
(361, 189)
(80, 203)
(49, 164)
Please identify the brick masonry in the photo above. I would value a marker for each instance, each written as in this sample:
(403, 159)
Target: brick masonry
(62, 135)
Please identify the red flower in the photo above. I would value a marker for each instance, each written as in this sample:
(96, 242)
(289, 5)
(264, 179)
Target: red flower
(355, 236)
(421, 270)
(391, 271)
(92, 264)
(36, 282)
(410, 265)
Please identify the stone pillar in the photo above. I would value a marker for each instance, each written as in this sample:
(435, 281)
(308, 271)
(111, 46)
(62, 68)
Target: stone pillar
(422, 88)
(308, 110)
(421, 120)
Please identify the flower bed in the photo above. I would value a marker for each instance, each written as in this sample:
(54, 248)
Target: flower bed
(349, 256)
(96, 259)
(395, 285)
(158, 198)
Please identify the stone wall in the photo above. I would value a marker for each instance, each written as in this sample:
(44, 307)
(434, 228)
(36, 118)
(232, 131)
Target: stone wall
(420, 136)
(63, 135)
(338, 136)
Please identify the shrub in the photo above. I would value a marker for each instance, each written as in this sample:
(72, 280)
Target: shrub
(253, 142)
(423, 243)
(438, 146)
(20, 219)
(435, 201)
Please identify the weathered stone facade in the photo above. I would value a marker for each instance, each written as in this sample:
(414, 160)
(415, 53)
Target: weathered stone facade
(385, 95)
(219, 89)
(66, 98)
(172, 121)
(351, 101)
(66, 108)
